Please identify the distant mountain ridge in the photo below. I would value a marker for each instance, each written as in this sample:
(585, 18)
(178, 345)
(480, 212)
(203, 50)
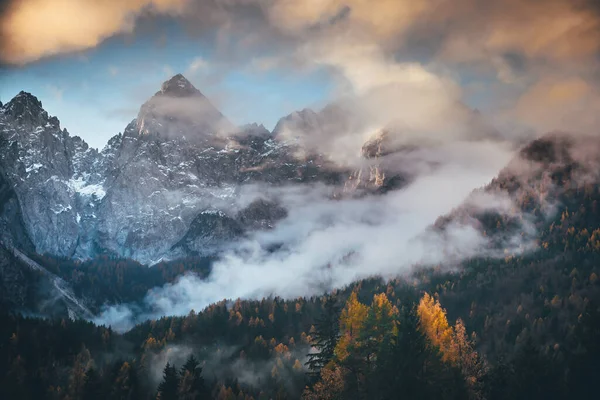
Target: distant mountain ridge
(153, 190)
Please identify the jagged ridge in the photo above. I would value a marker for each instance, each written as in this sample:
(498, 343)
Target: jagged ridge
(140, 195)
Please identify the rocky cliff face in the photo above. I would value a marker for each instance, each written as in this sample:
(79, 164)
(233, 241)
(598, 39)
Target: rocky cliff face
(380, 171)
(168, 186)
(51, 174)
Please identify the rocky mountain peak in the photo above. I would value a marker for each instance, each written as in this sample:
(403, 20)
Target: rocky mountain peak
(180, 110)
(25, 108)
(178, 86)
(167, 187)
(297, 124)
(255, 129)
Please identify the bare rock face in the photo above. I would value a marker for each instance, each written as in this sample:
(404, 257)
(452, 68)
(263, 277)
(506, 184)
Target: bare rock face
(168, 186)
(380, 171)
(12, 227)
(51, 173)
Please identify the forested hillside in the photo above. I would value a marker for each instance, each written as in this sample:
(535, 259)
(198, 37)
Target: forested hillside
(522, 326)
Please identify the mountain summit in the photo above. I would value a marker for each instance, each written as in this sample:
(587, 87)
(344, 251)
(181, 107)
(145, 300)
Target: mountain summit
(178, 86)
(180, 110)
(168, 187)
(26, 109)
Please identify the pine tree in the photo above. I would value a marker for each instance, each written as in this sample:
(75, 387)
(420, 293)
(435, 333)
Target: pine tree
(167, 389)
(535, 375)
(325, 337)
(126, 383)
(192, 386)
(413, 368)
(93, 388)
(352, 319)
(584, 366)
(378, 328)
(83, 362)
(331, 386)
(348, 349)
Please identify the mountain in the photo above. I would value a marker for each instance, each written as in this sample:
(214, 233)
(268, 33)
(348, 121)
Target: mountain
(148, 194)
(527, 322)
(180, 110)
(177, 168)
(51, 174)
(382, 163)
(523, 325)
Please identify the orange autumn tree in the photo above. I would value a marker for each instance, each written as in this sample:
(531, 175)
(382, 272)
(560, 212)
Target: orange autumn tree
(363, 331)
(352, 319)
(434, 325)
(454, 344)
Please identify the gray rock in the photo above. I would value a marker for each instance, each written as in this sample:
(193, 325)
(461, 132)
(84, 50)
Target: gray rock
(167, 187)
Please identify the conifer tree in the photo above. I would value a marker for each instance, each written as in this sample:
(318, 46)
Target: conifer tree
(192, 386)
(434, 324)
(93, 388)
(535, 375)
(167, 389)
(413, 368)
(324, 337)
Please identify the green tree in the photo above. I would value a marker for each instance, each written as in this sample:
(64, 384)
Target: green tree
(192, 386)
(325, 337)
(535, 375)
(83, 362)
(168, 388)
(412, 367)
(93, 388)
(126, 383)
(584, 365)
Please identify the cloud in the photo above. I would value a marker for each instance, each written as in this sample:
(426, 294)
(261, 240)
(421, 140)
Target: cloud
(33, 29)
(325, 243)
(224, 362)
(461, 30)
(458, 31)
(558, 103)
(198, 64)
(414, 104)
(553, 30)
(514, 42)
(55, 91)
(168, 71)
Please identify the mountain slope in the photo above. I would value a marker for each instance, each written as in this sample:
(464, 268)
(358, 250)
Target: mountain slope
(139, 196)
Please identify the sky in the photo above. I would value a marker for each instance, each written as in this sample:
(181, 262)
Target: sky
(530, 66)
(96, 93)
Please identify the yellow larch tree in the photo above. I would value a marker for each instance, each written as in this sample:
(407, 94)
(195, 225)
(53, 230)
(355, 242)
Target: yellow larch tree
(352, 320)
(434, 325)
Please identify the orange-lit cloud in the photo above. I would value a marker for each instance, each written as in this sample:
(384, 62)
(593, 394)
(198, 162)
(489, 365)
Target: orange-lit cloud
(32, 29)
(547, 50)
(568, 104)
(551, 29)
(463, 29)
